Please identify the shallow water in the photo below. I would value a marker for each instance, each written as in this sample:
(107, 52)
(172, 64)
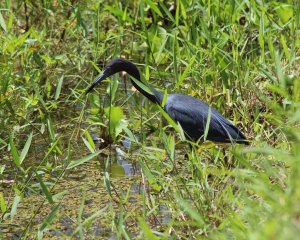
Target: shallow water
(80, 193)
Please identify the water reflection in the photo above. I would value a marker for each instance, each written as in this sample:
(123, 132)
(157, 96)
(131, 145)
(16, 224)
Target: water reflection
(118, 164)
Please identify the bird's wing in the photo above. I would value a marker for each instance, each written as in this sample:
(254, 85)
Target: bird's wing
(192, 114)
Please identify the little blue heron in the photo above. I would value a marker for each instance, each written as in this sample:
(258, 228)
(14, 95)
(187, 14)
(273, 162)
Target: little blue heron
(191, 113)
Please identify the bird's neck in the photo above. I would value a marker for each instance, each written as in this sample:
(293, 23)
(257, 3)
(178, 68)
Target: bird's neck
(155, 96)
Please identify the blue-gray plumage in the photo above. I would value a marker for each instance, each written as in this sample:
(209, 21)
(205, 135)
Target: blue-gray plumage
(190, 112)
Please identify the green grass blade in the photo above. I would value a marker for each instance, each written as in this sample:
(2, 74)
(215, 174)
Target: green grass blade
(147, 232)
(189, 209)
(88, 145)
(150, 177)
(154, 7)
(45, 190)
(207, 123)
(58, 88)
(2, 203)
(185, 72)
(2, 22)
(82, 160)
(47, 221)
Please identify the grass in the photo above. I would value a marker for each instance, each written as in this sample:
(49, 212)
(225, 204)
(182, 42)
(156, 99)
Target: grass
(241, 57)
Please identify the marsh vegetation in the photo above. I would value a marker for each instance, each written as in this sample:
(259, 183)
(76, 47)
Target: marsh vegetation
(111, 164)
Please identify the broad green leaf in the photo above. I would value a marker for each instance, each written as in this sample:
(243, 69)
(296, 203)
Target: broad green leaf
(14, 152)
(117, 170)
(120, 126)
(285, 12)
(25, 148)
(14, 206)
(116, 114)
(116, 124)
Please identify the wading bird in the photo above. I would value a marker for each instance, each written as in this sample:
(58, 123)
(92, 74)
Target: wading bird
(191, 113)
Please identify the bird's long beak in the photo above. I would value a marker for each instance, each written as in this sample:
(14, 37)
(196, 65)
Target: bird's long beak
(100, 77)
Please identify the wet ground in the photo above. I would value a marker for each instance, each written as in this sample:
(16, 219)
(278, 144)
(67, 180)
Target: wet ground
(82, 194)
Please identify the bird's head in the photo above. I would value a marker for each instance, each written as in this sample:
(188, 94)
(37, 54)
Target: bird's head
(114, 66)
